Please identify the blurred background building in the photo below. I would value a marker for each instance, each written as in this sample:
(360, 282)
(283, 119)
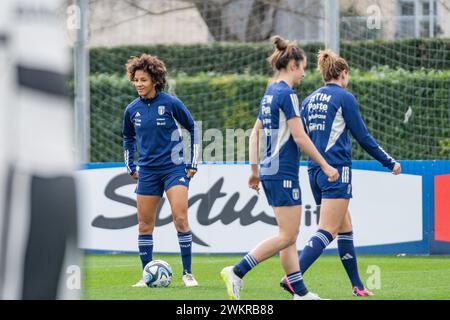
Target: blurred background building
(117, 22)
(400, 18)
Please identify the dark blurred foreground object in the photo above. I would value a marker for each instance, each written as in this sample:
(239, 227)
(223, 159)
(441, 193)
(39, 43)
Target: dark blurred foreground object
(39, 258)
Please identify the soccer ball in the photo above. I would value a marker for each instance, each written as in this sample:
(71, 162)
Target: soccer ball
(157, 274)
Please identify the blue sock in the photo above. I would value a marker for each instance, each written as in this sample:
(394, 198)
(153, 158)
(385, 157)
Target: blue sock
(295, 281)
(245, 265)
(185, 241)
(145, 243)
(314, 248)
(348, 258)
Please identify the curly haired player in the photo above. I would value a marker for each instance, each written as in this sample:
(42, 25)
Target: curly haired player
(152, 122)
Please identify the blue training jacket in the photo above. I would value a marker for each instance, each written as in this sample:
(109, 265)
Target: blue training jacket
(329, 114)
(281, 155)
(154, 124)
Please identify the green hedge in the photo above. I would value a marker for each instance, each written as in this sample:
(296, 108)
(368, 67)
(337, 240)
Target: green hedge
(230, 58)
(232, 101)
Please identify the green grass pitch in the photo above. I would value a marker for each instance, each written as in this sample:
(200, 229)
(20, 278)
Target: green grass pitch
(410, 277)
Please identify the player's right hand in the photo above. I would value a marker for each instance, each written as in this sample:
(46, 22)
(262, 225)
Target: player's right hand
(397, 169)
(331, 173)
(135, 175)
(253, 182)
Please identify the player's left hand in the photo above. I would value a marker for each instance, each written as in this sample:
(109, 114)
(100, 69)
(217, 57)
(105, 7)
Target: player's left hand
(190, 173)
(331, 173)
(253, 182)
(397, 169)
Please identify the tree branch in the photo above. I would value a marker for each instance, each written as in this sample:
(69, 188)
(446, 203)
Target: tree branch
(153, 13)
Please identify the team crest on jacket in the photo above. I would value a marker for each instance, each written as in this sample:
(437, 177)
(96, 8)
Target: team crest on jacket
(161, 110)
(295, 194)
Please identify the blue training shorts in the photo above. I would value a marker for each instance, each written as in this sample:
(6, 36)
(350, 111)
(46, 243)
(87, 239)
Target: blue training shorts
(281, 193)
(155, 182)
(323, 189)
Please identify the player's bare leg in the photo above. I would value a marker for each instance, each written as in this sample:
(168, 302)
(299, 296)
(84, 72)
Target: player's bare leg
(332, 215)
(288, 220)
(146, 207)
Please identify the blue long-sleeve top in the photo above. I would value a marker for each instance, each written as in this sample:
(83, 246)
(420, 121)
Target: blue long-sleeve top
(281, 155)
(329, 114)
(154, 125)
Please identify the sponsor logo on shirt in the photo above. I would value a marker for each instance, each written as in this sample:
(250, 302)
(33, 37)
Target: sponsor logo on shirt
(137, 120)
(265, 105)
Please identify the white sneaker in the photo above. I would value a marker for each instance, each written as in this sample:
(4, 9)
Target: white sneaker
(189, 280)
(140, 284)
(308, 296)
(232, 281)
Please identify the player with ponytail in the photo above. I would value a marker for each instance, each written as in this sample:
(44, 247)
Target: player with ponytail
(329, 114)
(278, 170)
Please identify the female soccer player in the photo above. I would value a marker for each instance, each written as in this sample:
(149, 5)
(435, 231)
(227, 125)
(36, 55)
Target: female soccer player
(279, 117)
(329, 113)
(151, 121)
